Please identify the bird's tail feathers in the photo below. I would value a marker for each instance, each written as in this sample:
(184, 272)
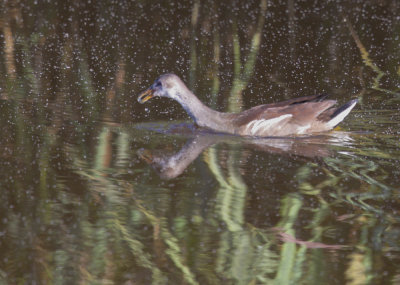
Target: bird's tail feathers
(341, 112)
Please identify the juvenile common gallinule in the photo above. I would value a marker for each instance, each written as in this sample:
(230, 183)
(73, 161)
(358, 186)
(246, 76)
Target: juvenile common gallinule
(304, 115)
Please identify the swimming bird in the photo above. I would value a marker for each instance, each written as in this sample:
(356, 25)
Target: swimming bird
(299, 116)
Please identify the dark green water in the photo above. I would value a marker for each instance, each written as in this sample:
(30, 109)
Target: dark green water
(98, 189)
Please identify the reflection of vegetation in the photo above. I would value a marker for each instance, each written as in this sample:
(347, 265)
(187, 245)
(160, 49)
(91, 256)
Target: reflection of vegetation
(216, 59)
(376, 85)
(78, 207)
(368, 202)
(232, 194)
(242, 74)
(193, 53)
(286, 270)
(241, 256)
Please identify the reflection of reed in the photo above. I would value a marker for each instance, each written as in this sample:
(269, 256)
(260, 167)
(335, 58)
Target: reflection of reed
(290, 208)
(348, 167)
(231, 195)
(9, 51)
(216, 58)
(236, 255)
(87, 216)
(242, 74)
(12, 13)
(294, 255)
(357, 269)
(193, 52)
(113, 90)
(112, 220)
(232, 192)
(292, 30)
(368, 62)
(165, 243)
(361, 170)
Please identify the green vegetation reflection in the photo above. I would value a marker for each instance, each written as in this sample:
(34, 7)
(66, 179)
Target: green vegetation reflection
(79, 206)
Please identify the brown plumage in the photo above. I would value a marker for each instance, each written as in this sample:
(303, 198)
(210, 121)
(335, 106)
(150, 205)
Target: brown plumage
(297, 116)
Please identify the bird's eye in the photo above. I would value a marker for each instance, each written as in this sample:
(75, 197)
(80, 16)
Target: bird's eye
(158, 84)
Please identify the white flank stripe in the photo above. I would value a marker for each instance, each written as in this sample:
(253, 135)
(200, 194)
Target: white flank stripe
(336, 120)
(257, 125)
(303, 129)
(264, 124)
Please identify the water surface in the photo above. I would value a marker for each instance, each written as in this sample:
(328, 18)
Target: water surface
(96, 188)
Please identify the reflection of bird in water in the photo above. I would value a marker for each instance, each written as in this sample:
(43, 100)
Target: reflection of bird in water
(297, 116)
(170, 165)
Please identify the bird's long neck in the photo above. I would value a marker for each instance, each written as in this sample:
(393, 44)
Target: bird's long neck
(203, 115)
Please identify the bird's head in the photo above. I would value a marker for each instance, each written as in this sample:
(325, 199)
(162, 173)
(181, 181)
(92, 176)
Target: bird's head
(167, 85)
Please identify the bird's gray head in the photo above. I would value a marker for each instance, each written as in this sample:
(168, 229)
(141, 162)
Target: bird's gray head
(167, 85)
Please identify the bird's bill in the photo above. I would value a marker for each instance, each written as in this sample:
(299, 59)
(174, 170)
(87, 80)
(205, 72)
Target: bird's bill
(146, 155)
(146, 95)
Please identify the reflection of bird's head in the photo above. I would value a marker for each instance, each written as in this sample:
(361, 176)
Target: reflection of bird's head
(165, 166)
(167, 85)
